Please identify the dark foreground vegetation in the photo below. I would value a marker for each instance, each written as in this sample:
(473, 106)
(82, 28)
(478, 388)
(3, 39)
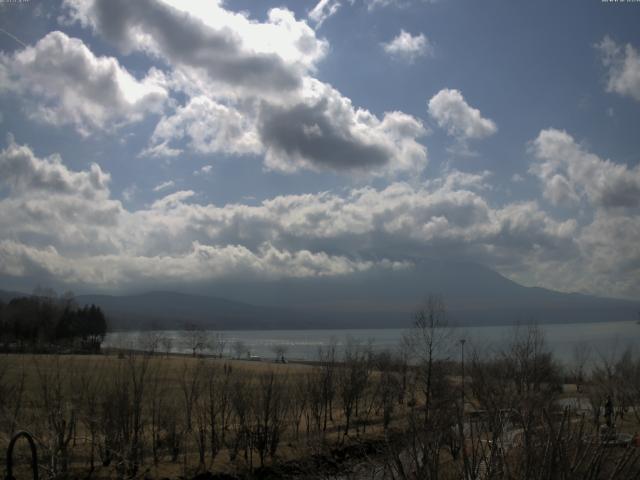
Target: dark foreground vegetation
(46, 323)
(410, 414)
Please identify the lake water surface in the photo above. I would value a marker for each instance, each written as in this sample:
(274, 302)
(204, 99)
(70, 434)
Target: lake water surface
(600, 339)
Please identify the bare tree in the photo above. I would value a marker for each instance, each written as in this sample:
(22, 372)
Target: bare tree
(353, 378)
(166, 341)
(218, 408)
(429, 342)
(269, 414)
(195, 338)
(580, 358)
(156, 404)
(149, 341)
(240, 349)
(280, 350)
(190, 386)
(241, 403)
(218, 344)
(90, 385)
(12, 393)
(60, 419)
(387, 386)
(328, 360)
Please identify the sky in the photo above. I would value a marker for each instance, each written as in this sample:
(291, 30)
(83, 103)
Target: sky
(175, 143)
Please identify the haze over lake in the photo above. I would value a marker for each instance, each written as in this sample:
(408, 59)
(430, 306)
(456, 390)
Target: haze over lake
(601, 338)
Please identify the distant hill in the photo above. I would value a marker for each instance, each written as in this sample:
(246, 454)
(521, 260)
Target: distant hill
(474, 294)
(5, 295)
(170, 310)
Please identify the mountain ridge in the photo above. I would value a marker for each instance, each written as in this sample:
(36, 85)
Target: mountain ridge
(474, 294)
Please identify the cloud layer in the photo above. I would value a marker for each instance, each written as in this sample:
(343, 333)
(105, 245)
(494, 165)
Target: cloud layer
(251, 96)
(52, 229)
(205, 83)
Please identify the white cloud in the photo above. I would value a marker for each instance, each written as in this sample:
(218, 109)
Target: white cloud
(65, 224)
(324, 131)
(373, 4)
(408, 47)
(205, 170)
(46, 200)
(70, 85)
(233, 53)
(570, 172)
(319, 131)
(450, 110)
(323, 10)
(130, 192)
(25, 173)
(199, 263)
(208, 126)
(250, 89)
(164, 185)
(611, 244)
(623, 64)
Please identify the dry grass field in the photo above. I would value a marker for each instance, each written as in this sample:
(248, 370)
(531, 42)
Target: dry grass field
(136, 415)
(168, 407)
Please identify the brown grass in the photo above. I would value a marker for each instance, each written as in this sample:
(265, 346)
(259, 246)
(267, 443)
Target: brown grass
(72, 368)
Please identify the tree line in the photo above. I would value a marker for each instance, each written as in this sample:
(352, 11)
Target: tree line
(46, 323)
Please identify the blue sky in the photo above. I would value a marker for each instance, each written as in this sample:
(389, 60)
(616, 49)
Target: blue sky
(147, 143)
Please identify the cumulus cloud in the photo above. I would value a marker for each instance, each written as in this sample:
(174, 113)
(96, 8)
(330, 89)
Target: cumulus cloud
(408, 47)
(319, 131)
(64, 224)
(230, 50)
(623, 67)
(609, 258)
(399, 218)
(323, 10)
(70, 85)
(50, 228)
(208, 127)
(611, 243)
(569, 173)
(324, 131)
(24, 173)
(200, 263)
(234, 106)
(47, 200)
(451, 112)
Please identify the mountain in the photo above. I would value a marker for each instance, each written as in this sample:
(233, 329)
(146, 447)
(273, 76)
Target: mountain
(170, 310)
(474, 295)
(5, 295)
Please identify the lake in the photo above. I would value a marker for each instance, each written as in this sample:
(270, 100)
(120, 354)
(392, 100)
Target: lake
(604, 339)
